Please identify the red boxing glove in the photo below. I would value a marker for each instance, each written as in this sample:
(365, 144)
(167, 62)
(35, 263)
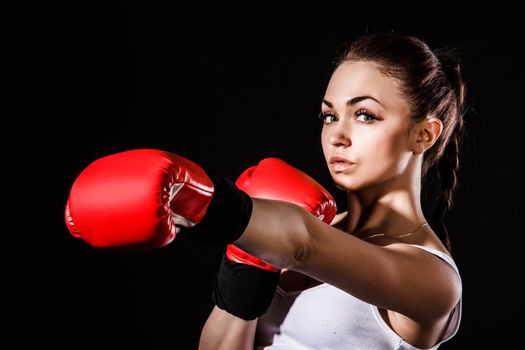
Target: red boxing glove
(136, 199)
(275, 179)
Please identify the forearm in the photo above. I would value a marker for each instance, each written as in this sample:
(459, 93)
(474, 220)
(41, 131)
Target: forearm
(278, 233)
(225, 331)
(287, 236)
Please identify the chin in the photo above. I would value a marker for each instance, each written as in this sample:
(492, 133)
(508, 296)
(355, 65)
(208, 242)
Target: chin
(344, 185)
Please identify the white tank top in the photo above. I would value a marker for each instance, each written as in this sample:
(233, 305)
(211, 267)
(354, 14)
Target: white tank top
(325, 317)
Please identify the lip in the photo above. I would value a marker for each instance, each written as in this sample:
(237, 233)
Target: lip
(338, 163)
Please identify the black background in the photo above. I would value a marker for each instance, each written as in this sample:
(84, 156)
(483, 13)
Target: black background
(226, 85)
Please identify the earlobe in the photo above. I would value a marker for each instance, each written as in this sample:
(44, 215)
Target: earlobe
(427, 134)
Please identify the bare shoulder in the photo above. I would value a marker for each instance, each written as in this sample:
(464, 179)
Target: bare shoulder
(427, 258)
(437, 280)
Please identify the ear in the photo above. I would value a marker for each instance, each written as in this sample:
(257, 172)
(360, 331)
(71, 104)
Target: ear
(426, 132)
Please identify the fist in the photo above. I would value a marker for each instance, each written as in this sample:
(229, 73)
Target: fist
(136, 199)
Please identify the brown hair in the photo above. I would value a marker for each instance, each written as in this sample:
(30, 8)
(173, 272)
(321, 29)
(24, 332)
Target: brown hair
(433, 84)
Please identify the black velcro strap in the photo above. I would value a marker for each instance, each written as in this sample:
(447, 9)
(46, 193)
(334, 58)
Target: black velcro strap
(243, 290)
(226, 217)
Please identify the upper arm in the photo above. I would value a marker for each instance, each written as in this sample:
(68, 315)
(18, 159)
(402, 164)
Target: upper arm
(396, 277)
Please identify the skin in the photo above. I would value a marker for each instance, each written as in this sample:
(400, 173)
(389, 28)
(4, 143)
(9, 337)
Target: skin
(366, 121)
(376, 133)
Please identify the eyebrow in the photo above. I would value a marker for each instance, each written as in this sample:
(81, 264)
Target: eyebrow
(353, 101)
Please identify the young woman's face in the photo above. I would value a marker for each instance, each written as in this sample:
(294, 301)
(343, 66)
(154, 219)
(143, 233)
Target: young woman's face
(365, 134)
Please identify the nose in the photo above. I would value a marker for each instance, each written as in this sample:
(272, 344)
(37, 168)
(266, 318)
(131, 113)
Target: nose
(339, 135)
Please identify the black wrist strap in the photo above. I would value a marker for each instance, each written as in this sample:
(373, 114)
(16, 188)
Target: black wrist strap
(243, 290)
(227, 215)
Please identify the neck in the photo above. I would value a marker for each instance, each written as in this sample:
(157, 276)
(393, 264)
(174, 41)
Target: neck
(390, 208)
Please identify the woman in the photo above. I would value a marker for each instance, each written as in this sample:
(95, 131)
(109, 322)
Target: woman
(379, 277)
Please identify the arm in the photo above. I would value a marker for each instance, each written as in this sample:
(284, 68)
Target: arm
(245, 284)
(394, 277)
(223, 330)
(141, 199)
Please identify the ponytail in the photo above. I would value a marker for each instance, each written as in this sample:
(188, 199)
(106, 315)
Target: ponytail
(447, 166)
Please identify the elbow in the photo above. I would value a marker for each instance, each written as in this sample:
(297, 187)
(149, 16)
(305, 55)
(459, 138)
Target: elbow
(303, 240)
(279, 233)
(302, 254)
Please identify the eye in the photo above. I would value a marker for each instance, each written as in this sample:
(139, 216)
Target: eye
(364, 116)
(327, 117)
